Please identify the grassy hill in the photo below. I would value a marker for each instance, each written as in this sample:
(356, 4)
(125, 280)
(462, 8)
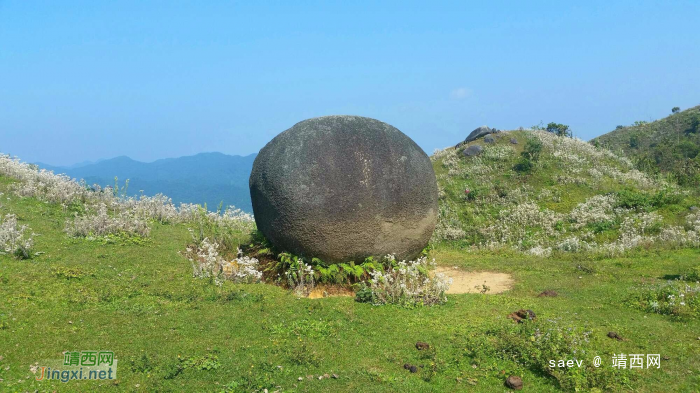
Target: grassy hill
(538, 193)
(118, 279)
(670, 145)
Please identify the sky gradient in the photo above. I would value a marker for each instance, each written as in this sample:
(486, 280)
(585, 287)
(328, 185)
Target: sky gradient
(85, 80)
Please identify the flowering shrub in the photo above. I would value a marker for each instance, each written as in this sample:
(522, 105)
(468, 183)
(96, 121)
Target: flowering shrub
(98, 223)
(243, 269)
(298, 274)
(515, 224)
(207, 263)
(448, 226)
(498, 152)
(440, 153)
(574, 147)
(693, 222)
(12, 237)
(228, 230)
(540, 251)
(158, 207)
(406, 284)
(596, 209)
(574, 244)
(301, 279)
(675, 298)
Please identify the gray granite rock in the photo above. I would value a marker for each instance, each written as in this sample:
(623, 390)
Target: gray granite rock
(489, 139)
(478, 133)
(473, 150)
(343, 188)
(513, 141)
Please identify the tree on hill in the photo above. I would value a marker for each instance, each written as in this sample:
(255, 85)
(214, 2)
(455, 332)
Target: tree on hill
(558, 129)
(675, 109)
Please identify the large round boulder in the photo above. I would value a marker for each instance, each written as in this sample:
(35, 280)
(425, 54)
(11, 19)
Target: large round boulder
(343, 188)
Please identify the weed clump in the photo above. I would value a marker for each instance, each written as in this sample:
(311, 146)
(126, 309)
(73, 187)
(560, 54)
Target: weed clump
(406, 284)
(535, 343)
(207, 263)
(14, 239)
(676, 298)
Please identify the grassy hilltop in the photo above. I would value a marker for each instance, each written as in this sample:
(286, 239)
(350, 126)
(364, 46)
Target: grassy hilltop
(106, 273)
(540, 194)
(669, 146)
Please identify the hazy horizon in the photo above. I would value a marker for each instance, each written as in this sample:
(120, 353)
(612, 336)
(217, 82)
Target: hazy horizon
(90, 162)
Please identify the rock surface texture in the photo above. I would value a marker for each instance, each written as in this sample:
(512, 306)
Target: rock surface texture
(343, 188)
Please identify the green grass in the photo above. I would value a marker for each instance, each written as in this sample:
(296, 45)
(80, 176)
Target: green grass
(172, 332)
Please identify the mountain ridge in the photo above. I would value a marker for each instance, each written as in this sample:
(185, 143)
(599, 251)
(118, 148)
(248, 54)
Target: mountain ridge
(208, 178)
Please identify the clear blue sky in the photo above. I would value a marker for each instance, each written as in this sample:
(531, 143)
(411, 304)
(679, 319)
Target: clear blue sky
(84, 80)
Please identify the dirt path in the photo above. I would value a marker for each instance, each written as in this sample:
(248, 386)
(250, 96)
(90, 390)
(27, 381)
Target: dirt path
(462, 282)
(466, 282)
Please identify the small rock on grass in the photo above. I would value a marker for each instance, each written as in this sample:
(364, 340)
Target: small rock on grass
(421, 346)
(514, 382)
(615, 336)
(522, 315)
(413, 369)
(548, 293)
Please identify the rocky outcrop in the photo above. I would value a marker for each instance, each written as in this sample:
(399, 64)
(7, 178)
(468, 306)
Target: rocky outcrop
(478, 133)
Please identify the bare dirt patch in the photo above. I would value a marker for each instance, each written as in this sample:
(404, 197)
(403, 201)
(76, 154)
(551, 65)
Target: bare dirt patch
(320, 292)
(472, 282)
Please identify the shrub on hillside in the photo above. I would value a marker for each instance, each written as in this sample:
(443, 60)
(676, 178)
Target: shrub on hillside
(692, 275)
(14, 238)
(529, 156)
(631, 199)
(97, 222)
(694, 127)
(228, 229)
(207, 263)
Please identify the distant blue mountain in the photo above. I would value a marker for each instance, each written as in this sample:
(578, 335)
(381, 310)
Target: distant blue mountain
(210, 178)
